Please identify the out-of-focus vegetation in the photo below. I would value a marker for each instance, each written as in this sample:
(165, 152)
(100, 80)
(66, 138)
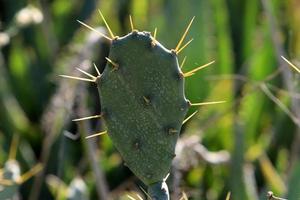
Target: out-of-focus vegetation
(248, 146)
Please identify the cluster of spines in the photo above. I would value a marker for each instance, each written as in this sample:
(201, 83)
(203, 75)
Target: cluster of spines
(115, 66)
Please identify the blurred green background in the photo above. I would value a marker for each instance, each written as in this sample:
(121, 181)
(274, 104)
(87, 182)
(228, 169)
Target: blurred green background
(247, 146)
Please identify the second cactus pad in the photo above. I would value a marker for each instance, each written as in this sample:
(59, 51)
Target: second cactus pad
(143, 103)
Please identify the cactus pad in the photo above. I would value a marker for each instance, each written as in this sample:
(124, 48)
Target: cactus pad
(143, 103)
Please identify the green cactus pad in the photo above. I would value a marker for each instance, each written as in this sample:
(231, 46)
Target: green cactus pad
(143, 103)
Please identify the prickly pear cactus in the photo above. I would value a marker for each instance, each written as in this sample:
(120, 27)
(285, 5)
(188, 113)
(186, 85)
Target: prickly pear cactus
(142, 96)
(143, 103)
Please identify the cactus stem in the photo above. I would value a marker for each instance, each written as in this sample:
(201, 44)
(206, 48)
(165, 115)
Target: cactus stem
(184, 35)
(183, 61)
(88, 74)
(96, 134)
(114, 64)
(77, 78)
(97, 70)
(131, 23)
(189, 117)
(91, 28)
(106, 24)
(192, 72)
(184, 46)
(86, 118)
(147, 100)
(207, 103)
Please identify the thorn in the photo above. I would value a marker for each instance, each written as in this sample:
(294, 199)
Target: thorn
(148, 196)
(115, 65)
(166, 177)
(106, 24)
(88, 74)
(153, 42)
(291, 64)
(96, 68)
(183, 61)
(189, 117)
(184, 46)
(130, 197)
(192, 72)
(228, 196)
(98, 32)
(86, 118)
(77, 78)
(184, 35)
(207, 103)
(131, 23)
(155, 33)
(147, 100)
(96, 134)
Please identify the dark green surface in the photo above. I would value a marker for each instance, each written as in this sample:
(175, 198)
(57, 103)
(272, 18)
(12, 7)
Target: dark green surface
(140, 129)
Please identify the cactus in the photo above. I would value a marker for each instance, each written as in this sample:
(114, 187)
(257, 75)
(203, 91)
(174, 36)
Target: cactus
(143, 103)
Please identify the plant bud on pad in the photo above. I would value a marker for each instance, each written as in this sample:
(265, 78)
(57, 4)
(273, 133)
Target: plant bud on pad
(143, 103)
